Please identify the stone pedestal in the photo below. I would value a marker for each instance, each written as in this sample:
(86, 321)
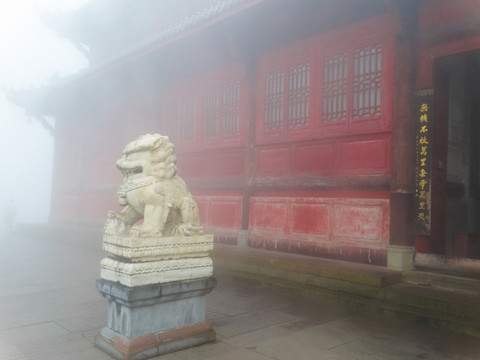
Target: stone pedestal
(142, 261)
(150, 320)
(156, 289)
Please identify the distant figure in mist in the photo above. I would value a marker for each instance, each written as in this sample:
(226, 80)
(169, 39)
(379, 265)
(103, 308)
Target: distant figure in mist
(9, 216)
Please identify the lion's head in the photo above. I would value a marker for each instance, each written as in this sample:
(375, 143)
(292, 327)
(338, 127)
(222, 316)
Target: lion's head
(148, 156)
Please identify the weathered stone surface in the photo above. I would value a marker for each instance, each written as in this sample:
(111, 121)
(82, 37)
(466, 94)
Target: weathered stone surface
(154, 272)
(143, 310)
(146, 321)
(157, 248)
(145, 347)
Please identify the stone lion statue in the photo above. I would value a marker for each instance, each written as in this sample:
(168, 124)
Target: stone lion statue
(152, 190)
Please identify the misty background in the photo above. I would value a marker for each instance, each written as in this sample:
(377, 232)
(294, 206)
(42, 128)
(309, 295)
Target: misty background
(30, 54)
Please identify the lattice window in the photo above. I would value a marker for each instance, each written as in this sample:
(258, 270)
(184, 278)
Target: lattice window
(367, 80)
(274, 94)
(335, 75)
(231, 108)
(212, 112)
(172, 121)
(181, 119)
(221, 114)
(299, 95)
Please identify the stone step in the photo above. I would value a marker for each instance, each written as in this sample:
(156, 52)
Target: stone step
(442, 281)
(458, 304)
(303, 269)
(360, 286)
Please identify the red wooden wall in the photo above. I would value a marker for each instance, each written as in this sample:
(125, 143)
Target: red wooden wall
(322, 110)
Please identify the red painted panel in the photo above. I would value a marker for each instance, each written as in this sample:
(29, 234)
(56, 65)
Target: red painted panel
(310, 219)
(365, 155)
(370, 154)
(314, 158)
(273, 161)
(269, 215)
(224, 214)
(320, 221)
(220, 211)
(211, 164)
(358, 221)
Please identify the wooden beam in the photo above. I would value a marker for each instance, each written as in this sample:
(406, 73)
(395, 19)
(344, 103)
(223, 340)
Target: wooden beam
(449, 32)
(352, 182)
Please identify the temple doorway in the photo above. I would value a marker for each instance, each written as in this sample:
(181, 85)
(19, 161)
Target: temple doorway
(455, 179)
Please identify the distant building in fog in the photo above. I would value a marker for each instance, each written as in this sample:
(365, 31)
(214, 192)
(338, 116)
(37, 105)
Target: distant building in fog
(337, 128)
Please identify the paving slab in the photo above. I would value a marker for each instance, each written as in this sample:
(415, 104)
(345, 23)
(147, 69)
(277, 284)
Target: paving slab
(50, 310)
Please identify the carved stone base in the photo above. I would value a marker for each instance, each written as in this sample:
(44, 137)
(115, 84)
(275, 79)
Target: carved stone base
(153, 272)
(147, 321)
(157, 248)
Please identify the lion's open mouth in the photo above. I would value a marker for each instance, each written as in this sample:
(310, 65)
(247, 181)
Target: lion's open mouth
(134, 171)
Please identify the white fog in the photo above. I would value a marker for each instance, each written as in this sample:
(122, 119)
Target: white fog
(30, 55)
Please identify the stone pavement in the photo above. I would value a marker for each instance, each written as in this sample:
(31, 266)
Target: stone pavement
(50, 310)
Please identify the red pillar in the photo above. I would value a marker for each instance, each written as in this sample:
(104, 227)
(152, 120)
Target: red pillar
(405, 14)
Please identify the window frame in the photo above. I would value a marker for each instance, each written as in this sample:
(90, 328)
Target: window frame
(199, 86)
(316, 50)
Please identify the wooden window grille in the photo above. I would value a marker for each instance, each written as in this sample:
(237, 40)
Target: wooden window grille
(333, 84)
(181, 119)
(274, 94)
(299, 95)
(335, 76)
(212, 112)
(221, 113)
(367, 81)
(172, 121)
(231, 109)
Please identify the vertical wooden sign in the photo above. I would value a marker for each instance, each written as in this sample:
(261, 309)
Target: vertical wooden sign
(423, 160)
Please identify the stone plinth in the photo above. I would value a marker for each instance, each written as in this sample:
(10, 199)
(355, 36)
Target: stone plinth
(143, 261)
(150, 320)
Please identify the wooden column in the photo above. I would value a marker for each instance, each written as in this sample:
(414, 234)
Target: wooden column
(243, 49)
(405, 13)
(250, 73)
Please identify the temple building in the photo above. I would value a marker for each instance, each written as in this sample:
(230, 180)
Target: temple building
(345, 129)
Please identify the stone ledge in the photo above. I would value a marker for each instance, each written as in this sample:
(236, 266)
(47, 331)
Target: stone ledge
(366, 287)
(273, 263)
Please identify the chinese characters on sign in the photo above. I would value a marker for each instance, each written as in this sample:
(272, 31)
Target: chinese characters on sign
(423, 160)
